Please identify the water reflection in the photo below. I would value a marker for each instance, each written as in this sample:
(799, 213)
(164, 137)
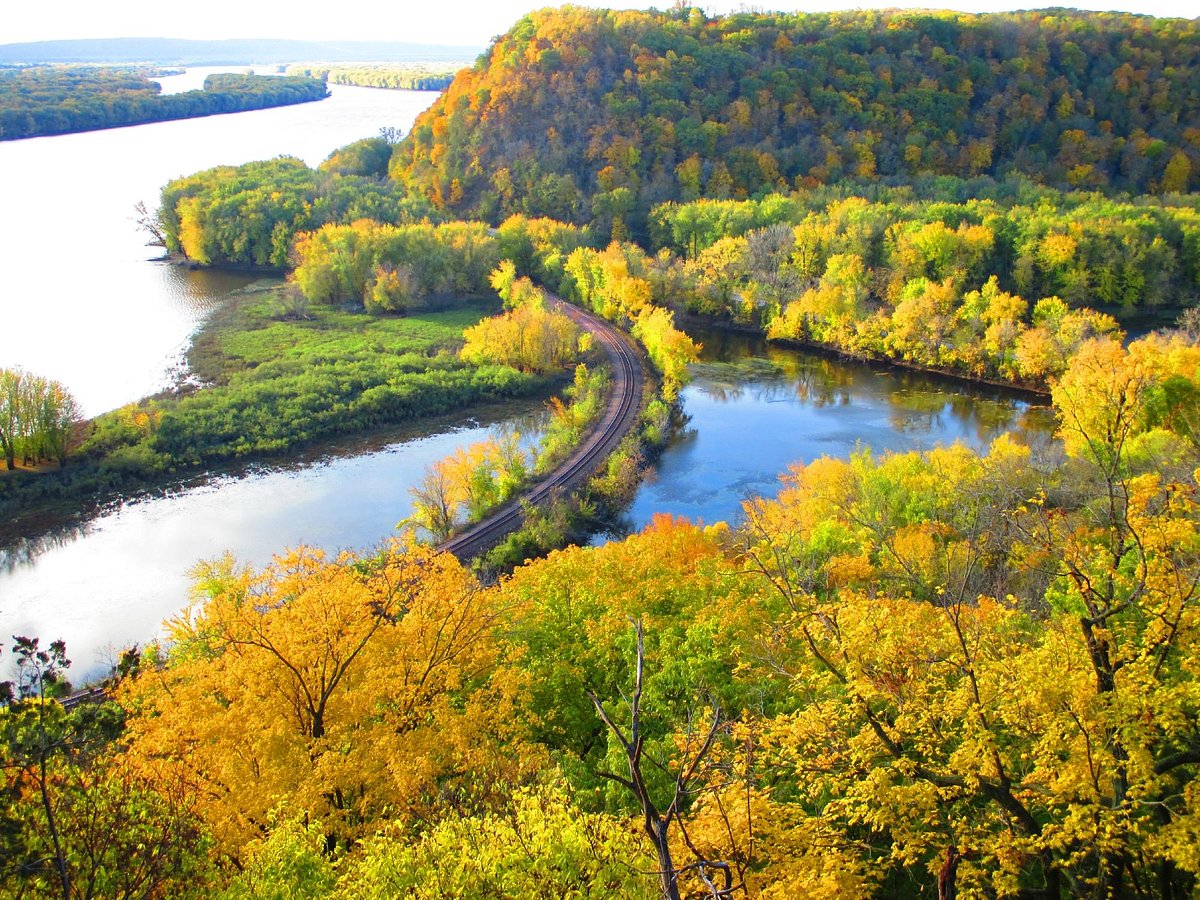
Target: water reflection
(754, 409)
(26, 550)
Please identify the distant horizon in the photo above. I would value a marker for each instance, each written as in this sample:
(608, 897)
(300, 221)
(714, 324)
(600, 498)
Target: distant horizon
(457, 23)
(168, 51)
(171, 51)
(251, 39)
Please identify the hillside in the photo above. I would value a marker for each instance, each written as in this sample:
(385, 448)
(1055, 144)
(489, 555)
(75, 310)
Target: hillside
(596, 115)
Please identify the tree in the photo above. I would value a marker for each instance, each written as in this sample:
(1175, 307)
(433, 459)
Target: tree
(436, 501)
(669, 349)
(75, 822)
(58, 422)
(1001, 750)
(35, 733)
(11, 414)
(657, 822)
(308, 683)
(38, 417)
(539, 844)
(529, 337)
(150, 223)
(1177, 174)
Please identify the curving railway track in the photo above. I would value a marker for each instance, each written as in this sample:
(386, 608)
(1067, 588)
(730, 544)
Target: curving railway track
(619, 416)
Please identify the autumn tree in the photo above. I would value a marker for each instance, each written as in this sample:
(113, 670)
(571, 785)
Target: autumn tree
(344, 687)
(540, 843)
(530, 337)
(469, 483)
(436, 501)
(1003, 749)
(11, 414)
(74, 821)
(657, 819)
(39, 418)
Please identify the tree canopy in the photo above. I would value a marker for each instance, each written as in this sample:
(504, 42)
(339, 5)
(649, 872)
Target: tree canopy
(676, 106)
(54, 100)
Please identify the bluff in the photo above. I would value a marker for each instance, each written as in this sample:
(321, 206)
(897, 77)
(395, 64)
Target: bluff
(597, 115)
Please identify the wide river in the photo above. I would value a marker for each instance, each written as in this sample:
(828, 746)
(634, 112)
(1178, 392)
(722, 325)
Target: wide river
(83, 302)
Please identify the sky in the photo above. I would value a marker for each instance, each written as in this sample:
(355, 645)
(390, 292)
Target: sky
(457, 22)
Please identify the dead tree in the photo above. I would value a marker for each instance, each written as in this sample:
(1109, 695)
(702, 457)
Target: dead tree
(656, 821)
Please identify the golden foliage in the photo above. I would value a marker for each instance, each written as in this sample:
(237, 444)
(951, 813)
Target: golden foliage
(350, 688)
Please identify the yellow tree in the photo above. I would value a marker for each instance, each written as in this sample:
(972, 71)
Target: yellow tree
(669, 349)
(529, 337)
(345, 688)
(1044, 742)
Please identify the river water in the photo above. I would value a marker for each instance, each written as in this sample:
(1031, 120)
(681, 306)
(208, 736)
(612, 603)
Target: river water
(754, 409)
(82, 302)
(78, 301)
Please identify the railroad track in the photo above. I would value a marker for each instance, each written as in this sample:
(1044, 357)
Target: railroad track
(619, 416)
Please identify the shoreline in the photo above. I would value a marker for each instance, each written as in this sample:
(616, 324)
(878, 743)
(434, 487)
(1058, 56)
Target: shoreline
(62, 499)
(51, 521)
(828, 350)
(155, 121)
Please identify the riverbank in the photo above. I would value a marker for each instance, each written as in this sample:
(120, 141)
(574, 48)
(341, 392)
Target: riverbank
(262, 384)
(1028, 389)
(51, 101)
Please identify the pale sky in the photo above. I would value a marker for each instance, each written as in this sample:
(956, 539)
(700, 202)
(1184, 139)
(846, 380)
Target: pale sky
(463, 22)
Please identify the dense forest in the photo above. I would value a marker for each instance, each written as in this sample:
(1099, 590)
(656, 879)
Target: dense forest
(918, 672)
(929, 216)
(676, 106)
(408, 76)
(1003, 286)
(941, 674)
(40, 101)
(251, 214)
(1001, 289)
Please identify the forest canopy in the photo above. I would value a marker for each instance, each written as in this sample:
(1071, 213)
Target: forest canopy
(251, 214)
(405, 76)
(56, 100)
(677, 106)
(950, 673)
(909, 670)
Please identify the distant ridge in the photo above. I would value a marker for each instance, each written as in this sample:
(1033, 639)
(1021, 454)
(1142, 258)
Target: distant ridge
(178, 51)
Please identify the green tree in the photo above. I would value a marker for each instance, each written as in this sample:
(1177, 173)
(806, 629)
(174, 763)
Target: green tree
(74, 822)
(11, 414)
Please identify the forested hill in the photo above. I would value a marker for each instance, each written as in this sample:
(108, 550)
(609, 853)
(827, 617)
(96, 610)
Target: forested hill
(587, 114)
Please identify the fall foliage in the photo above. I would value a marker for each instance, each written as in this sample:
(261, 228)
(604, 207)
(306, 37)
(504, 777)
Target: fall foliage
(948, 673)
(932, 671)
(45, 100)
(677, 105)
(331, 685)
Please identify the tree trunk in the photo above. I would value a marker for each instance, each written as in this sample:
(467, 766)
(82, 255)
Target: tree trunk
(947, 880)
(667, 876)
(60, 860)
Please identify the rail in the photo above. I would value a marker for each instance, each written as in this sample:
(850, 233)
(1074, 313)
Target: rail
(619, 416)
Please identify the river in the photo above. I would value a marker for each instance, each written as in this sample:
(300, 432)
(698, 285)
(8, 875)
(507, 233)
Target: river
(753, 409)
(78, 301)
(112, 325)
